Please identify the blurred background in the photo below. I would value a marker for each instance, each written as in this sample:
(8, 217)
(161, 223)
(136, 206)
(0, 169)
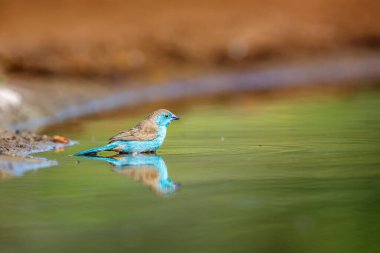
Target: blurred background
(108, 44)
(118, 38)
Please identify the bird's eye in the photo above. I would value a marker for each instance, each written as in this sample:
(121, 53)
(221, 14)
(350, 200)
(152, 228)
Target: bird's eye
(166, 116)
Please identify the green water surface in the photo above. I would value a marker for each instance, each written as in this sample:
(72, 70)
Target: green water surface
(286, 176)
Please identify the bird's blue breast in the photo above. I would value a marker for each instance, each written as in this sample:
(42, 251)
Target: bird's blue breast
(142, 146)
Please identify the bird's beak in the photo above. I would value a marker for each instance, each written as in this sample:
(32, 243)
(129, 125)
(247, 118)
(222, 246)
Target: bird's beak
(175, 117)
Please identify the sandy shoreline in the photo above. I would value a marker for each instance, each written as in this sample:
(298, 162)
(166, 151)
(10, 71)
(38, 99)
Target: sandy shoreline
(16, 147)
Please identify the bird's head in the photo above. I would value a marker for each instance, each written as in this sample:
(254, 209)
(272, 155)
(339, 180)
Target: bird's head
(164, 117)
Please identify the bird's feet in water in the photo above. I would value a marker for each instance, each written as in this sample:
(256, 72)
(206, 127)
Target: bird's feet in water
(146, 152)
(136, 153)
(91, 154)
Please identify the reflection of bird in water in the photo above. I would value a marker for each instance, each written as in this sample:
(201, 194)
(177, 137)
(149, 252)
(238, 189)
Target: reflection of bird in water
(149, 169)
(145, 137)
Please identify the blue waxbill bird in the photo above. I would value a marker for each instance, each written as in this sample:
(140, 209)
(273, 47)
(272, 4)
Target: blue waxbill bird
(145, 137)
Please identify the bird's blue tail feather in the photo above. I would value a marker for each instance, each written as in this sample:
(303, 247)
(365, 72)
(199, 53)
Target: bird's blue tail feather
(93, 151)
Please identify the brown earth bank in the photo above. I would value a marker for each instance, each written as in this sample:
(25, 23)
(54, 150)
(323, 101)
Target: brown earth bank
(122, 37)
(23, 143)
(15, 147)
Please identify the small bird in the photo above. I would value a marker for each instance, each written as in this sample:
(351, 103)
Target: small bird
(145, 137)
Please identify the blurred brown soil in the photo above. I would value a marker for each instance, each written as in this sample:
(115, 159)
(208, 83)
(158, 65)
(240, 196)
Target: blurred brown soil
(121, 37)
(22, 143)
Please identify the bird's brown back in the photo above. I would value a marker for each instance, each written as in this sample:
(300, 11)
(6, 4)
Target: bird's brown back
(146, 130)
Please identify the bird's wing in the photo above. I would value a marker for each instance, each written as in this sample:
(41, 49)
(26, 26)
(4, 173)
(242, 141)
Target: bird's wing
(144, 131)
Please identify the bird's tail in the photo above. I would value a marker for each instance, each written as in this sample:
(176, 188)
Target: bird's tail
(93, 151)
